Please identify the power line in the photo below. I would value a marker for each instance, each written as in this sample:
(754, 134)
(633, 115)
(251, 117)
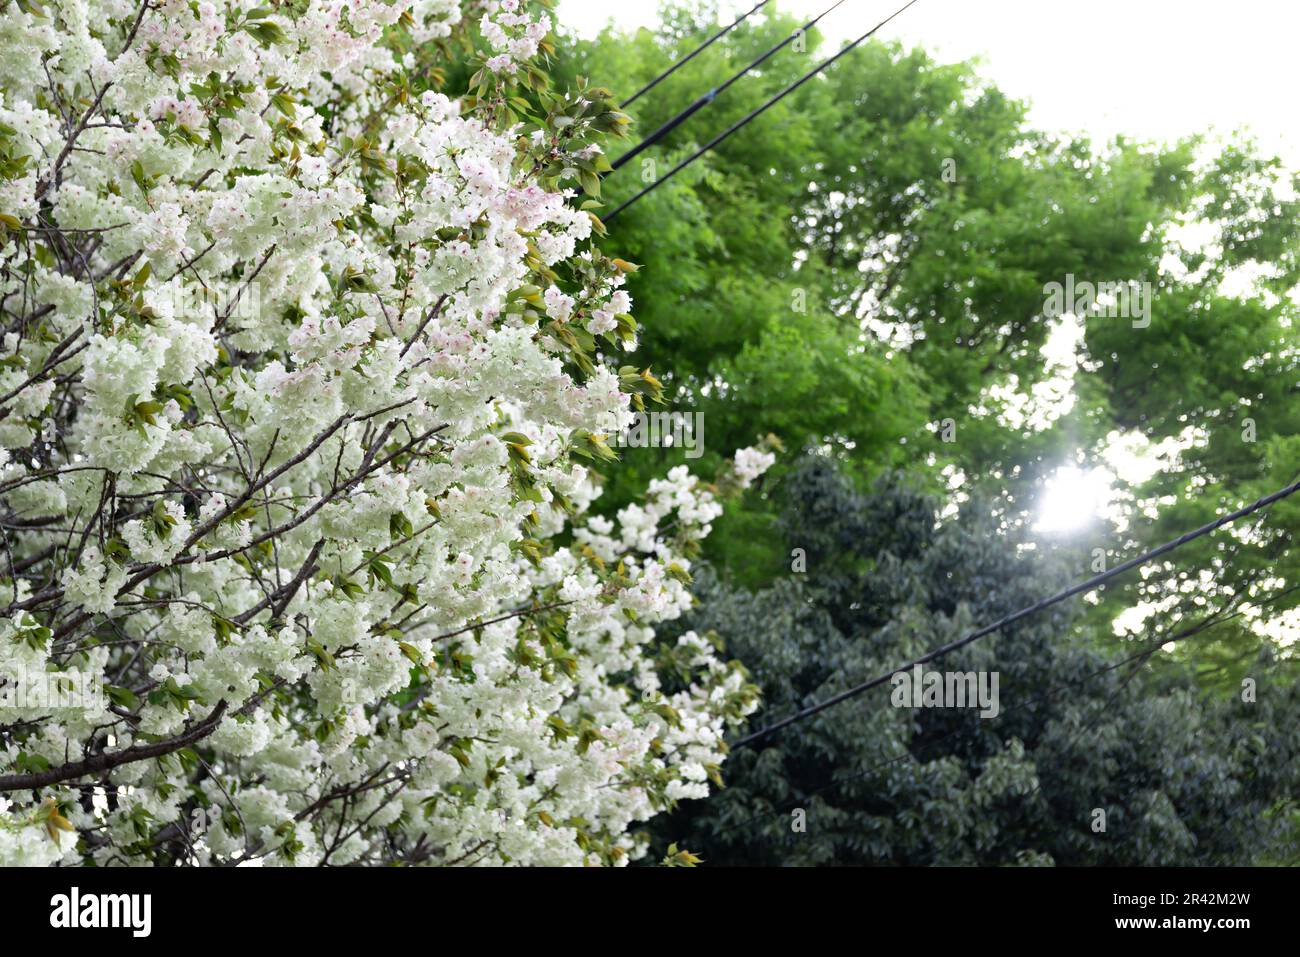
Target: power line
(692, 55)
(713, 94)
(1006, 620)
(756, 112)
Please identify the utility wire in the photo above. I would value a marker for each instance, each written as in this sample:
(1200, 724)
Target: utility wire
(717, 91)
(756, 112)
(692, 55)
(1003, 622)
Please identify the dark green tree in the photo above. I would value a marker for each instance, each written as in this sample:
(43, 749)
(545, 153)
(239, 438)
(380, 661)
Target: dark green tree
(1184, 776)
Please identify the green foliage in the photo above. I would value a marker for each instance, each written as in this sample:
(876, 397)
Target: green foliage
(869, 259)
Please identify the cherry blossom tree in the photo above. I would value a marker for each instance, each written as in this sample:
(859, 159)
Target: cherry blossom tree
(306, 371)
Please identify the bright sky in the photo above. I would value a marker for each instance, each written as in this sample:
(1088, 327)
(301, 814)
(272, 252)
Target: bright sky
(1151, 69)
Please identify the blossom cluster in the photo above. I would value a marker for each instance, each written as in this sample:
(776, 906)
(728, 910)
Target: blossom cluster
(322, 532)
(513, 35)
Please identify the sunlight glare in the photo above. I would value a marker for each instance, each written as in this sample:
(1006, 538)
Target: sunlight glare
(1072, 498)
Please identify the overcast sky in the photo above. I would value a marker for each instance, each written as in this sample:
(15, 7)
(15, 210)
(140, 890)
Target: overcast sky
(1153, 69)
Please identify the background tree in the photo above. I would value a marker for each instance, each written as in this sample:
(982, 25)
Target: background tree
(917, 218)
